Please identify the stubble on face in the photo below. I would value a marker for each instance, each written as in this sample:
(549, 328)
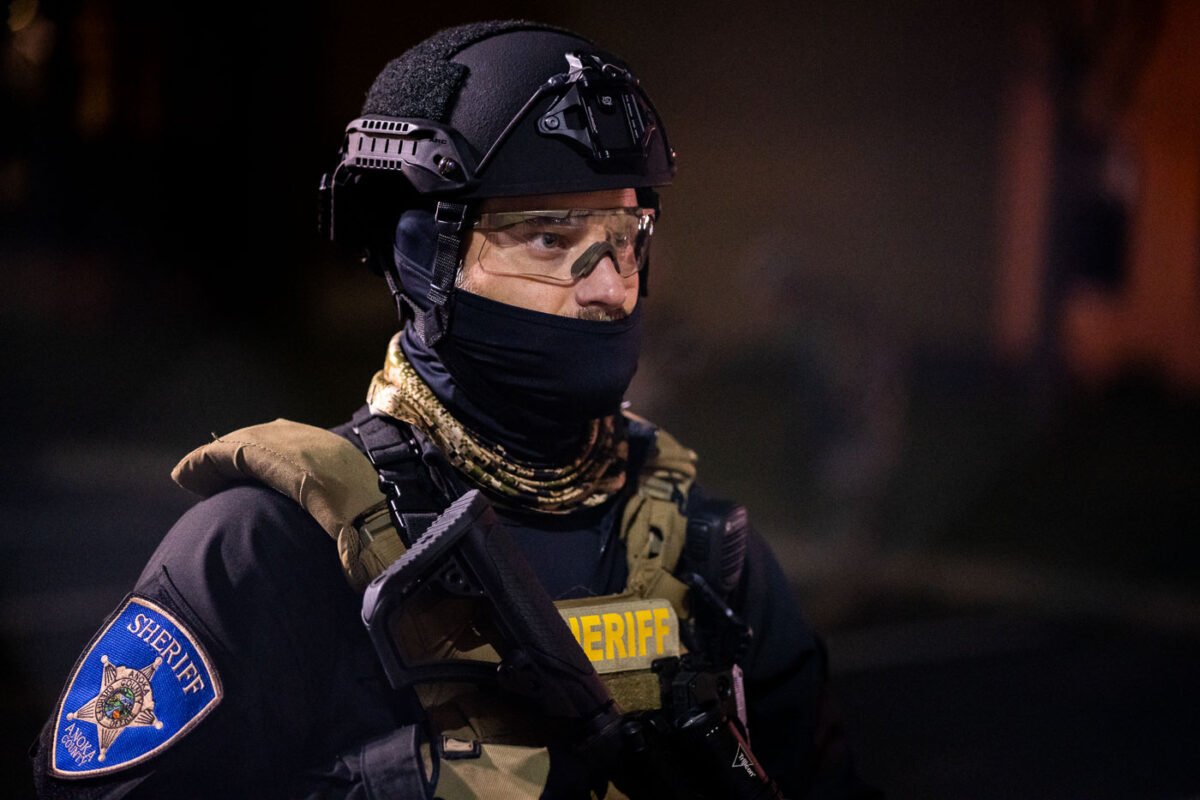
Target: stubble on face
(601, 315)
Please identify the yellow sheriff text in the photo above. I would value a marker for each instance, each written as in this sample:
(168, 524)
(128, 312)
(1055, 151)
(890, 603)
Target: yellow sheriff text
(624, 634)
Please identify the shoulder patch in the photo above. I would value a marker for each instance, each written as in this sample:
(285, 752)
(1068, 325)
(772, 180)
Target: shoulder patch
(143, 682)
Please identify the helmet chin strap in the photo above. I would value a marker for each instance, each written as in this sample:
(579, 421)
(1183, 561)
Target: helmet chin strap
(449, 219)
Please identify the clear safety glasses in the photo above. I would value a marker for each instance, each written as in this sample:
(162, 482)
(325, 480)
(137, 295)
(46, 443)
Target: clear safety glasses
(566, 245)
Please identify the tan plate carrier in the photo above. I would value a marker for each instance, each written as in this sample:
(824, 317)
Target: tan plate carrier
(336, 483)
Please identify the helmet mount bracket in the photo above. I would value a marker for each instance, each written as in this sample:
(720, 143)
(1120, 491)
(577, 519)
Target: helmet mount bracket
(600, 112)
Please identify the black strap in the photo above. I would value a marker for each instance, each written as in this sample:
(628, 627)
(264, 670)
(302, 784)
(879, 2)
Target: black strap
(393, 449)
(403, 304)
(450, 219)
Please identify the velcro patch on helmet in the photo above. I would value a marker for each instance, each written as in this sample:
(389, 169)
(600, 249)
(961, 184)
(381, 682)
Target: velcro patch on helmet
(143, 682)
(422, 83)
(624, 635)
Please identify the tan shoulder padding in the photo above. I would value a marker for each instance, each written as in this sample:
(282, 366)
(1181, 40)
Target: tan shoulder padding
(318, 469)
(670, 455)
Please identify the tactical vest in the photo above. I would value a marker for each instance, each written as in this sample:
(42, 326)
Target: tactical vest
(489, 747)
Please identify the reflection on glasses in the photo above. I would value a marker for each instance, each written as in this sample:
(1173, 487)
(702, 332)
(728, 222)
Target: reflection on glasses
(551, 245)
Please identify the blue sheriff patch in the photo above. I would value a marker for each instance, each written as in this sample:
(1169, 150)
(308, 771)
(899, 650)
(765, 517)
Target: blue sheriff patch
(144, 682)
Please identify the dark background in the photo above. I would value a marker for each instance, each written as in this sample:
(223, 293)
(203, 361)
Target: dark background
(1003, 557)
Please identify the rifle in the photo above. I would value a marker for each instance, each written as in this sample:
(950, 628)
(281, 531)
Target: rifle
(463, 583)
(463, 606)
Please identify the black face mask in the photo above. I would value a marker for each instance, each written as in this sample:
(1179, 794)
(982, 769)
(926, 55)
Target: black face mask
(516, 362)
(523, 379)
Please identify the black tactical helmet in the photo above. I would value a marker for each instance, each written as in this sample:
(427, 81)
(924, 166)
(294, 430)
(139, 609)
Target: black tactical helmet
(488, 109)
(492, 109)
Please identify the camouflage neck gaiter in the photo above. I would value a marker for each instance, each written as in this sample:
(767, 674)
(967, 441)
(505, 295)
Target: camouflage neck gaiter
(589, 479)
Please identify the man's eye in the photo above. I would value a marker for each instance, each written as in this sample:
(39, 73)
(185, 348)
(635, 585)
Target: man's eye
(547, 240)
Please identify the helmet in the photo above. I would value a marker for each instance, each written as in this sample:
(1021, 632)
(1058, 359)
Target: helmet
(486, 110)
(489, 110)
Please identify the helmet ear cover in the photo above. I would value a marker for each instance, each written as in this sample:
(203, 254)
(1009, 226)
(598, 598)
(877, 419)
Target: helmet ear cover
(387, 166)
